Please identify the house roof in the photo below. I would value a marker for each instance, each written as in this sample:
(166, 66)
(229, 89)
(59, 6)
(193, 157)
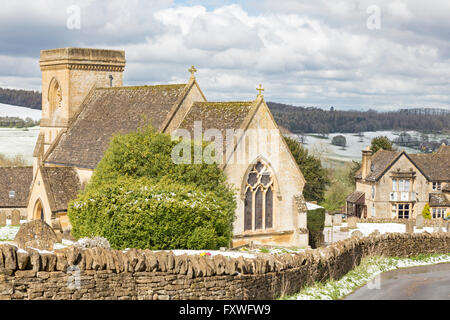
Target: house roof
(438, 200)
(381, 161)
(356, 197)
(62, 185)
(15, 179)
(446, 188)
(435, 166)
(107, 111)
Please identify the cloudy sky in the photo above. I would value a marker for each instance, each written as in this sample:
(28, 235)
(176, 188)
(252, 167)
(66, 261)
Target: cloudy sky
(351, 54)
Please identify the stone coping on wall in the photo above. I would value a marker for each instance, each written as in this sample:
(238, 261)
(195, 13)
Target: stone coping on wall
(144, 274)
(426, 222)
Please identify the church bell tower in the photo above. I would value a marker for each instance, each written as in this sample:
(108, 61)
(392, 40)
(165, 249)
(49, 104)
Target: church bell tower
(68, 75)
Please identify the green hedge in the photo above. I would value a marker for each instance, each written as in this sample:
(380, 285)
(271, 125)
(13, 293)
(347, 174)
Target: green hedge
(316, 224)
(139, 198)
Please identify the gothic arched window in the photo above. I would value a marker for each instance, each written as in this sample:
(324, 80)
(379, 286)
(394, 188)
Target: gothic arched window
(54, 95)
(258, 203)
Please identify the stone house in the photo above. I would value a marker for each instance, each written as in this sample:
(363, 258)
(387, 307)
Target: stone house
(84, 103)
(397, 185)
(14, 189)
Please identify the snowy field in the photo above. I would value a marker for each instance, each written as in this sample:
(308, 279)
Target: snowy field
(15, 141)
(7, 110)
(355, 144)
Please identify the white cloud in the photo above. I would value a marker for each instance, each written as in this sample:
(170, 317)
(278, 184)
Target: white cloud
(303, 53)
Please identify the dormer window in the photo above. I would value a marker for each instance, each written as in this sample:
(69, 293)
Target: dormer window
(437, 186)
(12, 194)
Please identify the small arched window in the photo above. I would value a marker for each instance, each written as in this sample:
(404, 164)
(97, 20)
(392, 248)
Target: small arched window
(54, 95)
(258, 203)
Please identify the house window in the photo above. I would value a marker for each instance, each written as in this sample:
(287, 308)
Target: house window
(258, 203)
(373, 212)
(401, 185)
(436, 186)
(394, 185)
(12, 194)
(403, 210)
(373, 192)
(438, 213)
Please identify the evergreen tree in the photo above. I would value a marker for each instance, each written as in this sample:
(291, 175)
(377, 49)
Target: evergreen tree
(315, 175)
(381, 142)
(426, 212)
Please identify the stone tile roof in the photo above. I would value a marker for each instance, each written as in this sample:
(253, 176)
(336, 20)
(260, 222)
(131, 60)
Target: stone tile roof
(435, 166)
(217, 115)
(439, 200)
(446, 188)
(15, 179)
(355, 196)
(381, 160)
(62, 186)
(108, 111)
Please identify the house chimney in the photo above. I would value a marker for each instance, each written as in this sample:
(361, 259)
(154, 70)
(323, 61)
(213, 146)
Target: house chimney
(366, 162)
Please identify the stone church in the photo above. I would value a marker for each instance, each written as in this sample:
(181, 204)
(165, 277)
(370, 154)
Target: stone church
(84, 103)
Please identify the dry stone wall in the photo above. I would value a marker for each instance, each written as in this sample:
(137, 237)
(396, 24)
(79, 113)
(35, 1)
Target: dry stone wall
(98, 273)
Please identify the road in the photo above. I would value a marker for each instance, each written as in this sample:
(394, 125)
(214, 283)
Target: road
(417, 283)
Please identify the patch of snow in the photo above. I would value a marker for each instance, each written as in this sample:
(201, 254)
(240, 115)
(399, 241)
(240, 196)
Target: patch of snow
(313, 206)
(7, 110)
(350, 283)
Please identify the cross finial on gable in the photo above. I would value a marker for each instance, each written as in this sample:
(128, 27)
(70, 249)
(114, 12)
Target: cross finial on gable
(260, 90)
(192, 70)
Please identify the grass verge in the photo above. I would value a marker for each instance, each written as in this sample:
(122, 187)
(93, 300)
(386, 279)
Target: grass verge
(367, 271)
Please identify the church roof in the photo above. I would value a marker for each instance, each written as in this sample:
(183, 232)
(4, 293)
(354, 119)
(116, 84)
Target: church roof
(217, 115)
(107, 111)
(15, 179)
(62, 185)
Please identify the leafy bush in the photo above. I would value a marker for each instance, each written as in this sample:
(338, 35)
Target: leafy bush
(339, 140)
(139, 198)
(316, 224)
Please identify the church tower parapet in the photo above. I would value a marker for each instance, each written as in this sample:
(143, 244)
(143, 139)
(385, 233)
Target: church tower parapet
(68, 75)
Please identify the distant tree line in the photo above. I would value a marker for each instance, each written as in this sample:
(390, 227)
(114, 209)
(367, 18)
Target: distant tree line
(15, 122)
(21, 98)
(316, 120)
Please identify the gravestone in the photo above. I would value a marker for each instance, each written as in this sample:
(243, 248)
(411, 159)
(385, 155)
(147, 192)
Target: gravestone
(419, 221)
(328, 220)
(36, 234)
(15, 218)
(337, 220)
(351, 222)
(448, 226)
(2, 218)
(357, 234)
(437, 227)
(409, 226)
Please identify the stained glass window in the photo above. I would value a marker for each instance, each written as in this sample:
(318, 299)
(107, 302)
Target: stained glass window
(258, 211)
